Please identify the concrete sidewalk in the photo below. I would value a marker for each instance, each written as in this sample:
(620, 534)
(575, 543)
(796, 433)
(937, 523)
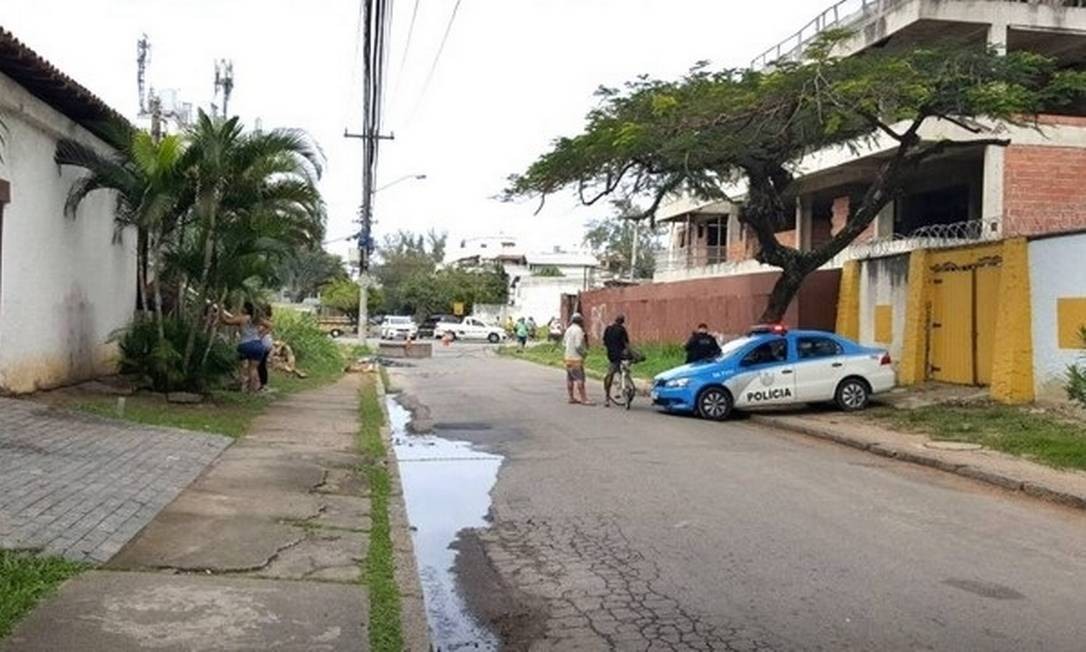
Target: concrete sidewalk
(263, 551)
(992, 467)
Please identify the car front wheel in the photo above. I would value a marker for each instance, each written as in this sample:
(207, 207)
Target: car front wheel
(852, 394)
(714, 403)
(493, 338)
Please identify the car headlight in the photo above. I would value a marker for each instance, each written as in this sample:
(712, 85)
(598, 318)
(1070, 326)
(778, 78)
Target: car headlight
(677, 383)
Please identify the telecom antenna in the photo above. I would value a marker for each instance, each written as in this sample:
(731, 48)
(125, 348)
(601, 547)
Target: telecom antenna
(143, 60)
(224, 84)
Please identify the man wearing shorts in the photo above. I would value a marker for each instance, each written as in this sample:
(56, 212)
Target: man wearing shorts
(617, 342)
(576, 347)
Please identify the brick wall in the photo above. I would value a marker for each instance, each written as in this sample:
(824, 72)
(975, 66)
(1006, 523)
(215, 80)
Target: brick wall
(668, 312)
(1044, 189)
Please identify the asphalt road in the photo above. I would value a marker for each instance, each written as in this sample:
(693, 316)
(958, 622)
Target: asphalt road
(635, 530)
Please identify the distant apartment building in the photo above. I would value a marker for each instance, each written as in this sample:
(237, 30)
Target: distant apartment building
(1030, 187)
(537, 280)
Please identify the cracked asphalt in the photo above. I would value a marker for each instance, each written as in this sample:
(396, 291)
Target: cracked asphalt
(638, 531)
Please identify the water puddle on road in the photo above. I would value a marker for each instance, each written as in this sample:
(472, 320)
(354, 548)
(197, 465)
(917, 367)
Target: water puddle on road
(446, 488)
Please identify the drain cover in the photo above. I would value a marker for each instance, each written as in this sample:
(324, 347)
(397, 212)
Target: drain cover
(953, 446)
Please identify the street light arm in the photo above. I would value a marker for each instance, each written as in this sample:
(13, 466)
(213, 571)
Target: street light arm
(400, 180)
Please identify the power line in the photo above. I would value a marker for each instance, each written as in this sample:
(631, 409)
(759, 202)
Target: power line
(406, 48)
(437, 58)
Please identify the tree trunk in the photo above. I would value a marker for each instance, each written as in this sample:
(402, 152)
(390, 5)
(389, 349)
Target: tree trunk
(141, 269)
(212, 334)
(205, 273)
(784, 290)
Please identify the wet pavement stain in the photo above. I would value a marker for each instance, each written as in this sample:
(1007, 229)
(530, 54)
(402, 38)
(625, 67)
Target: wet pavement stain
(446, 486)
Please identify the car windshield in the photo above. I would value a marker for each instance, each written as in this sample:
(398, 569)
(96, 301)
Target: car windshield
(730, 348)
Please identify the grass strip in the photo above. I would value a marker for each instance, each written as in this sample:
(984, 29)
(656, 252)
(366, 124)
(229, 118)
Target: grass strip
(658, 357)
(379, 572)
(1041, 437)
(25, 579)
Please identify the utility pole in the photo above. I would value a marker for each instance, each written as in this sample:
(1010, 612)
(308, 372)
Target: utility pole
(633, 251)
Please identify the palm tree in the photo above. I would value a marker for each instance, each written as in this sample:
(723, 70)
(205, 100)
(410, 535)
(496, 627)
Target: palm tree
(236, 175)
(145, 176)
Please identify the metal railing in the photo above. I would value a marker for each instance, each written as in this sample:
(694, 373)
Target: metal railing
(852, 14)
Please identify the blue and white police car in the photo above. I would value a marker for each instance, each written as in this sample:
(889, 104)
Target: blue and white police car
(773, 366)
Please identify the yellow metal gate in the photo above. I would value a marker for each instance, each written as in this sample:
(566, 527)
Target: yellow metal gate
(962, 314)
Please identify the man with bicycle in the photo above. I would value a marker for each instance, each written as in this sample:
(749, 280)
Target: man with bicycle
(617, 342)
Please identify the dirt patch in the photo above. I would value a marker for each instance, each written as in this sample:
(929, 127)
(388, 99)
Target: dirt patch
(515, 617)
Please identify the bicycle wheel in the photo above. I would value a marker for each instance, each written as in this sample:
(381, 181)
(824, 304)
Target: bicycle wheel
(628, 390)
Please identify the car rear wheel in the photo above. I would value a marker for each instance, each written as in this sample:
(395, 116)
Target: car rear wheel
(714, 403)
(852, 394)
(336, 332)
(493, 338)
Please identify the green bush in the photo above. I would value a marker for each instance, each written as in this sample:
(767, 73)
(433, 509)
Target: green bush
(1076, 377)
(158, 365)
(314, 351)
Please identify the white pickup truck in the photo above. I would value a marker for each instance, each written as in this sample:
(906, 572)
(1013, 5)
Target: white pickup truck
(470, 328)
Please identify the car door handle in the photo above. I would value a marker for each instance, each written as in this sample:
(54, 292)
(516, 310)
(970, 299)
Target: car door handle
(838, 364)
(786, 371)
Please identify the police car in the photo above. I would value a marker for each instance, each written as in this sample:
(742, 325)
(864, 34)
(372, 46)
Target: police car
(773, 366)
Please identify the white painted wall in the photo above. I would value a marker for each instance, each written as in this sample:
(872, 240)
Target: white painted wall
(65, 285)
(540, 297)
(884, 281)
(1056, 270)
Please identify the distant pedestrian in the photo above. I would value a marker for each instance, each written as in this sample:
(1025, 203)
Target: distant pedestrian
(521, 330)
(532, 328)
(701, 345)
(617, 342)
(575, 344)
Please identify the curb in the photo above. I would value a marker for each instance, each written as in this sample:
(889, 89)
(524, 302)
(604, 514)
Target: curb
(413, 622)
(1001, 480)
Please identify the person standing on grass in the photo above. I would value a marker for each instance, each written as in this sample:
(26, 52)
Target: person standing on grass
(575, 343)
(617, 342)
(701, 345)
(268, 341)
(532, 328)
(522, 333)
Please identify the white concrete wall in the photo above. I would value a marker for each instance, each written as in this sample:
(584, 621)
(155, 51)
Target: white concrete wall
(884, 281)
(65, 285)
(1056, 270)
(540, 297)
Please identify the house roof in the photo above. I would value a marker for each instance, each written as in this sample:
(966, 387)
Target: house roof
(563, 259)
(43, 80)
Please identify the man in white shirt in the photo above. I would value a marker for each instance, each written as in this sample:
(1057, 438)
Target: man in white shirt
(575, 344)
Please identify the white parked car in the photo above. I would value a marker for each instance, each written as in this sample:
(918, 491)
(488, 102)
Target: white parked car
(470, 328)
(396, 328)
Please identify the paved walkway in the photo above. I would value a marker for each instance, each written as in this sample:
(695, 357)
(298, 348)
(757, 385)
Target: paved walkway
(81, 486)
(262, 552)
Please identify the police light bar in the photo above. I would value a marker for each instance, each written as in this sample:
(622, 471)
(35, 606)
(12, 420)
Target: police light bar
(768, 329)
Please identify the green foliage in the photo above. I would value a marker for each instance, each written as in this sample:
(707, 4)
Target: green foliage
(412, 284)
(313, 350)
(1041, 437)
(307, 271)
(1076, 376)
(379, 568)
(612, 240)
(158, 363)
(548, 271)
(25, 579)
(694, 135)
(343, 295)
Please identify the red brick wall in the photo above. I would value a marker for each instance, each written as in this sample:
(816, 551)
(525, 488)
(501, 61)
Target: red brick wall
(668, 312)
(1044, 189)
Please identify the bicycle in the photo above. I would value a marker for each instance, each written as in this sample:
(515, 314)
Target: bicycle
(627, 389)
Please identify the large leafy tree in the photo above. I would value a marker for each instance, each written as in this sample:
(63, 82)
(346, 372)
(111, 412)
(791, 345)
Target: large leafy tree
(708, 130)
(304, 273)
(614, 240)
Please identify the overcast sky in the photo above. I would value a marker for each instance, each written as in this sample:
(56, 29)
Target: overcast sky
(514, 75)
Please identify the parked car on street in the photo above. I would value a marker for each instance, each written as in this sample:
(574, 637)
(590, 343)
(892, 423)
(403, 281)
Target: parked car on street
(428, 329)
(773, 366)
(470, 328)
(395, 328)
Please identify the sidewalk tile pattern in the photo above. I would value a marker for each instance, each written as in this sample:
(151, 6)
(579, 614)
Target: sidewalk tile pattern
(81, 486)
